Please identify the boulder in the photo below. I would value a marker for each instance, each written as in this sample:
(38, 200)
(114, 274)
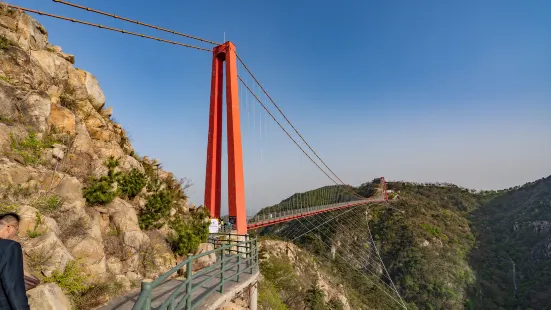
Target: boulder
(8, 107)
(7, 21)
(4, 137)
(36, 108)
(59, 52)
(95, 94)
(28, 222)
(107, 113)
(206, 260)
(132, 276)
(58, 152)
(123, 215)
(49, 224)
(22, 29)
(90, 251)
(23, 71)
(48, 297)
(114, 266)
(55, 66)
(83, 141)
(106, 149)
(68, 188)
(28, 219)
(126, 285)
(135, 242)
(160, 258)
(62, 119)
(127, 163)
(50, 251)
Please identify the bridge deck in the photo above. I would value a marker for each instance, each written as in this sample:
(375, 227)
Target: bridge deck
(287, 216)
(162, 292)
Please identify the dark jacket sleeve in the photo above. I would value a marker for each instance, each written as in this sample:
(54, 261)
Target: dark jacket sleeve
(11, 277)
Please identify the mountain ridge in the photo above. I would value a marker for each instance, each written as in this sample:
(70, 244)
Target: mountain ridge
(429, 249)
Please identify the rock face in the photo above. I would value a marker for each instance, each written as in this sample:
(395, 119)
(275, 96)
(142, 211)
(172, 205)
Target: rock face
(48, 297)
(62, 119)
(51, 252)
(206, 260)
(55, 135)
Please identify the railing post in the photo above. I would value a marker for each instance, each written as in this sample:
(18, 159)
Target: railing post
(250, 257)
(146, 286)
(256, 251)
(222, 273)
(238, 266)
(188, 287)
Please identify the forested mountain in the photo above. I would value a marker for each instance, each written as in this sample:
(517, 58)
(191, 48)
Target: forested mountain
(445, 247)
(513, 257)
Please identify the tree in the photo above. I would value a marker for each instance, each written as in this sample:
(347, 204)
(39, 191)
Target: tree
(314, 298)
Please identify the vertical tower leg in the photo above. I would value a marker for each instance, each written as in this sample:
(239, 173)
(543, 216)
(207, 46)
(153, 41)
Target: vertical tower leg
(213, 181)
(236, 183)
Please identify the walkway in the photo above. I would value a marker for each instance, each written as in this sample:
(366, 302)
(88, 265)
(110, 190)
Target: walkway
(209, 302)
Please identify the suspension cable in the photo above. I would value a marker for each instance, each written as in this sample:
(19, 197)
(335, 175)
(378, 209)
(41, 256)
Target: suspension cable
(281, 126)
(284, 116)
(108, 28)
(135, 21)
(353, 193)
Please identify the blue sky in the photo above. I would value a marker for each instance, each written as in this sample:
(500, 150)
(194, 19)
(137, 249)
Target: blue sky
(410, 90)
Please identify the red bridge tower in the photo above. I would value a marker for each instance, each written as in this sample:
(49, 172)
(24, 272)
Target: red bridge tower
(236, 186)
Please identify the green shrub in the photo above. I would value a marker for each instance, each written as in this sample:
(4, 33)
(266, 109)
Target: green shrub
(335, 304)
(48, 204)
(268, 297)
(101, 190)
(4, 43)
(189, 233)
(131, 184)
(315, 298)
(95, 295)
(72, 280)
(157, 207)
(433, 230)
(30, 148)
(35, 233)
(6, 207)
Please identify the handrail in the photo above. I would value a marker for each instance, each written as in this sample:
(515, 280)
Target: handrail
(225, 254)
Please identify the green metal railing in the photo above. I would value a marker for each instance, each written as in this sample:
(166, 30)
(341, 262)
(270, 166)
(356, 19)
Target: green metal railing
(230, 253)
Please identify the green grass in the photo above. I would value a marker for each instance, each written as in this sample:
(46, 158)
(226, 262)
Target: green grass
(30, 148)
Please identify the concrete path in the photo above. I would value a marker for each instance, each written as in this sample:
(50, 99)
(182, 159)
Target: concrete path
(201, 288)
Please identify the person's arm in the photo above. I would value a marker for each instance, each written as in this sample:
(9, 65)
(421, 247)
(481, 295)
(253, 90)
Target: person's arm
(12, 277)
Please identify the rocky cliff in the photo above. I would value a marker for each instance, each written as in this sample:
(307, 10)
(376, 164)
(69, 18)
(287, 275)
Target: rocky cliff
(96, 217)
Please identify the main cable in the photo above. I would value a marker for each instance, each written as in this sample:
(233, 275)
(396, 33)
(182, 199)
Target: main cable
(108, 28)
(134, 21)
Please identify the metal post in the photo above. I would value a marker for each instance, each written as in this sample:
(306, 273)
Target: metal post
(238, 266)
(146, 286)
(222, 265)
(188, 287)
(253, 296)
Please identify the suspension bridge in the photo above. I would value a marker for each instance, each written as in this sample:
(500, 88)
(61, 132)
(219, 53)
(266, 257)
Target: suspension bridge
(236, 266)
